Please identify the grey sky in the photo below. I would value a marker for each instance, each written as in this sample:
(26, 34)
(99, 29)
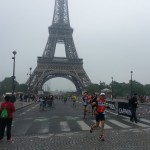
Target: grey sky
(111, 36)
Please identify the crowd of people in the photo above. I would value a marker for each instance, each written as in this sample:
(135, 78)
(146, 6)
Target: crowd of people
(46, 101)
(94, 104)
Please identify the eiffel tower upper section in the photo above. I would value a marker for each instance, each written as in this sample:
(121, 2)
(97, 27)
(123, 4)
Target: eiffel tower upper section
(60, 32)
(61, 15)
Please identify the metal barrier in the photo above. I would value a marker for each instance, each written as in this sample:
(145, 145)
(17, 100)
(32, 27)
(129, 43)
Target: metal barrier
(143, 110)
(112, 106)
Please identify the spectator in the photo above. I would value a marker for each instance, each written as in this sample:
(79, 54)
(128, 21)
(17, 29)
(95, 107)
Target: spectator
(133, 107)
(6, 122)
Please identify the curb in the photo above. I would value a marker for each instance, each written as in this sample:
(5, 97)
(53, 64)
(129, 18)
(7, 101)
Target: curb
(23, 106)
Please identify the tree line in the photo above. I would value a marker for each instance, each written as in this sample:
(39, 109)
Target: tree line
(119, 89)
(6, 86)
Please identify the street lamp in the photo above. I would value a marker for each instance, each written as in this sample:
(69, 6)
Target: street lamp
(131, 83)
(112, 88)
(13, 77)
(100, 85)
(29, 78)
(29, 82)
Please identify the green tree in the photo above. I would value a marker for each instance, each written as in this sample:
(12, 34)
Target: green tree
(120, 89)
(93, 88)
(147, 89)
(6, 85)
(22, 88)
(103, 85)
(138, 88)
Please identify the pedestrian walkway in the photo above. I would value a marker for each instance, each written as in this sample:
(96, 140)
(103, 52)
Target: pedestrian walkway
(50, 122)
(63, 129)
(68, 124)
(114, 140)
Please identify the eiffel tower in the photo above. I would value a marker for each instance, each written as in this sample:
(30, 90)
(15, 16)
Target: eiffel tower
(48, 66)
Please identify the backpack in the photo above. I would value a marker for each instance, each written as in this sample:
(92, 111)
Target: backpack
(4, 113)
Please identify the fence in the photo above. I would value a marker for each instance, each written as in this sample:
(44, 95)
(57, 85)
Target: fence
(122, 108)
(143, 110)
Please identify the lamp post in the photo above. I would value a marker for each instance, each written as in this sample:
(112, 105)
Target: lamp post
(30, 78)
(131, 84)
(29, 82)
(100, 85)
(112, 88)
(13, 77)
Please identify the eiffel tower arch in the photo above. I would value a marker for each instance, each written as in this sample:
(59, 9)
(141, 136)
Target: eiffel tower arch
(49, 66)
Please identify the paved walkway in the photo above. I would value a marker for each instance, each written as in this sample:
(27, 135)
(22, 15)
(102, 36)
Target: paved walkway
(127, 139)
(114, 140)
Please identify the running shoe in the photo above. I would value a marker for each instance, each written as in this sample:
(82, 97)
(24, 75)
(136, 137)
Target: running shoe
(91, 130)
(102, 137)
(9, 140)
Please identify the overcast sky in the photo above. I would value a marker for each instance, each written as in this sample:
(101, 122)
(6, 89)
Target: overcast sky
(112, 37)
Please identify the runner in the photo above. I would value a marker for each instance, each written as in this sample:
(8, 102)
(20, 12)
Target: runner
(65, 99)
(50, 101)
(85, 103)
(42, 103)
(100, 114)
(94, 99)
(89, 103)
(74, 98)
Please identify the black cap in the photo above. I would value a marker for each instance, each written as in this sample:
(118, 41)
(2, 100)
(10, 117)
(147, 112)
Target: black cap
(7, 97)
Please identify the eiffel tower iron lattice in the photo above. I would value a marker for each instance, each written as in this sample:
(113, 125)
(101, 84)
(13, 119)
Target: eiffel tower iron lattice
(69, 67)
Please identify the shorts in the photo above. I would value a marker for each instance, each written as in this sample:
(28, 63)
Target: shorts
(100, 117)
(93, 107)
(85, 106)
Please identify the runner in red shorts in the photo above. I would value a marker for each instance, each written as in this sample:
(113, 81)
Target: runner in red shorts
(100, 114)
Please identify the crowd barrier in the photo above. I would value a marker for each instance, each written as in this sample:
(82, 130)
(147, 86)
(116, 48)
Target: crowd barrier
(143, 110)
(122, 108)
